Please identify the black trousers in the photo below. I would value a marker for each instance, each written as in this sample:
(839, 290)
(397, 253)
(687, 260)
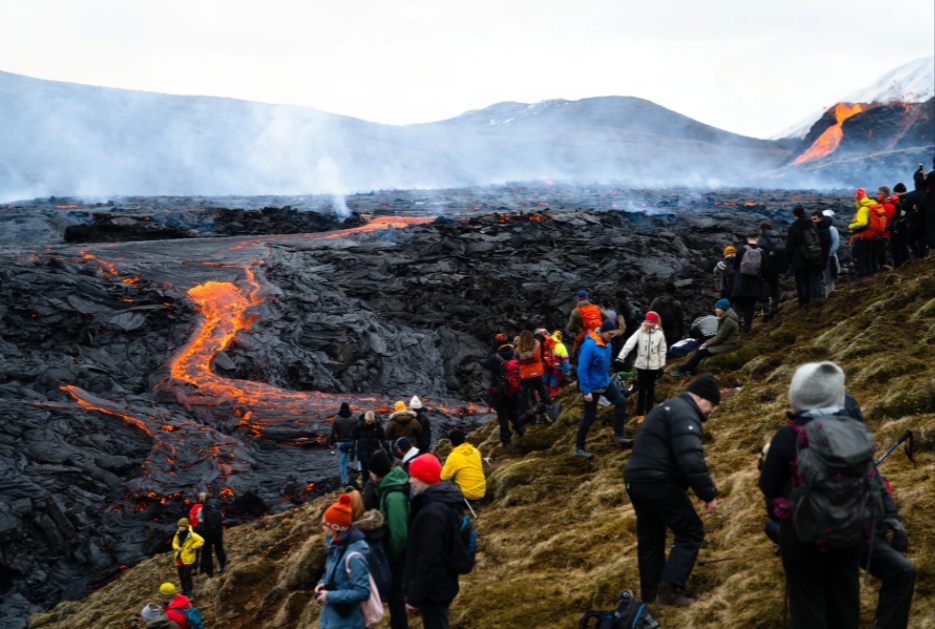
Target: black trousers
(213, 540)
(531, 386)
(899, 247)
(435, 616)
(862, 252)
(696, 358)
(803, 285)
(747, 308)
(185, 577)
(615, 397)
(898, 578)
(823, 587)
(929, 227)
(397, 597)
(879, 251)
(660, 506)
(646, 398)
(772, 281)
(916, 239)
(508, 413)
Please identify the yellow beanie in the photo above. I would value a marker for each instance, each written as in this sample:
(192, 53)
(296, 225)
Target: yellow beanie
(167, 589)
(183, 522)
(400, 406)
(729, 251)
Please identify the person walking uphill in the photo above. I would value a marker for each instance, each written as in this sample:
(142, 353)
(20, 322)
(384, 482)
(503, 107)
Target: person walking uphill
(465, 467)
(175, 604)
(594, 381)
(671, 315)
(821, 561)
(749, 285)
(393, 499)
(431, 585)
(185, 544)
(667, 459)
(342, 430)
(726, 340)
(505, 389)
(531, 368)
(403, 423)
(584, 319)
(651, 351)
(804, 249)
(346, 582)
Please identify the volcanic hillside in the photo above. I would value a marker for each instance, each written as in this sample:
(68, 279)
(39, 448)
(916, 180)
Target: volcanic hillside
(557, 533)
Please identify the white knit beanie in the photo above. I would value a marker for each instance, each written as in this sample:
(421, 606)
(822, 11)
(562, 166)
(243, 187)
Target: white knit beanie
(415, 403)
(151, 612)
(817, 385)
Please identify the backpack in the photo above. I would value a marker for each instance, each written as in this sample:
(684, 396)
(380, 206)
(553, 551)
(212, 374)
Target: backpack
(463, 552)
(211, 519)
(876, 222)
(193, 619)
(810, 247)
(668, 315)
(591, 318)
(379, 565)
(777, 259)
(510, 383)
(631, 613)
(372, 608)
(836, 499)
(162, 622)
(548, 351)
(752, 261)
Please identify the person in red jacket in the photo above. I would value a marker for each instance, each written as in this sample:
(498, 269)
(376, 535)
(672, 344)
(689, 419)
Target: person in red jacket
(884, 198)
(175, 605)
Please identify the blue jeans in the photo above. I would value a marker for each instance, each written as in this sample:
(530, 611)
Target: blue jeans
(615, 397)
(343, 449)
(816, 285)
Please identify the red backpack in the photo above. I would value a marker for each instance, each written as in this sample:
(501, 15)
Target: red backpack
(548, 350)
(510, 381)
(591, 317)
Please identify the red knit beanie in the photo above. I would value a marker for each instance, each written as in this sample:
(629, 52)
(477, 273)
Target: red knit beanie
(426, 468)
(652, 316)
(338, 516)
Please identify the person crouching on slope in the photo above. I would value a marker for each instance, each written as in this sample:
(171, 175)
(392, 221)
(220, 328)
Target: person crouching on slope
(465, 467)
(186, 543)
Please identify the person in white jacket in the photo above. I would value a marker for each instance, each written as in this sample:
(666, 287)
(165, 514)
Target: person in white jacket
(650, 343)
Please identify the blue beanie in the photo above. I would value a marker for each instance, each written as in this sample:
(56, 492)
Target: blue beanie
(723, 304)
(582, 294)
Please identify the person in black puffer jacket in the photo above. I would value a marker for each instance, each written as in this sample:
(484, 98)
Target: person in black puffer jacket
(807, 272)
(667, 459)
(368, 437)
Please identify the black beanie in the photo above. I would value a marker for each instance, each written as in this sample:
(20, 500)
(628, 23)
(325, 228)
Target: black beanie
(457, 437)
(345, 410)
(706, 388)
(670, 288)
(379, 463)
(900, 188)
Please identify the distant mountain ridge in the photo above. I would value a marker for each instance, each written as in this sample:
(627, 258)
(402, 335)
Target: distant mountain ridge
(68, 139)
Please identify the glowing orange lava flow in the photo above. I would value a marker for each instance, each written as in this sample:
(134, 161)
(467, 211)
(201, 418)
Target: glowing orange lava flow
(827, 143)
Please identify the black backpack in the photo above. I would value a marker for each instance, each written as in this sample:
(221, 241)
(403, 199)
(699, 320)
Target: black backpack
(211, 517)
(777, 259)
(669, 316)
(810, 247)
(463, 552)
(631, 613)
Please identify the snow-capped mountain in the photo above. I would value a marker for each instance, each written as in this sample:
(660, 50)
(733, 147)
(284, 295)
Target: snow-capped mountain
(913, 82)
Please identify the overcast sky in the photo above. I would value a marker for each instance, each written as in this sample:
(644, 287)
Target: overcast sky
(749, 67)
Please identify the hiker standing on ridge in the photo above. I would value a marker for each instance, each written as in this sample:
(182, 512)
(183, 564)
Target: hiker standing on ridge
(899, 228)
(531, 368)
(651, 350)
(868, 225)
(431, 585)
(823, 225)
(584, 319)
(821, 559)
(185, 543)
(425, 439)
(594, 381)
(834, 265)
(505, 389)
(342, 429)
(914, 208)
(562, 368)
(211, 529)
(804, 249)
(886, 201)
(726, 272)
(403, 423)
(775, 265)
(368, 437)
(726, 340)
(346, 582)
(671, 315)
(749, 286)
(667, 459)
(393, 499)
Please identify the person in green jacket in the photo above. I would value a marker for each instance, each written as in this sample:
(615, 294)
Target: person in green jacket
(393, 500)
(726, 340)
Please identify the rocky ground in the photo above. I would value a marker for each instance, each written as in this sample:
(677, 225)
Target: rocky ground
(557, 533)
(135, 374)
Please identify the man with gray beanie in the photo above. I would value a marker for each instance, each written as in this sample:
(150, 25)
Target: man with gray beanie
(667, 459)
(822, 574)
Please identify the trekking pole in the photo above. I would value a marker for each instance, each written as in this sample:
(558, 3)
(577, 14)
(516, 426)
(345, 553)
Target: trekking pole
(906, 436)
(470, 508)
(705, 562)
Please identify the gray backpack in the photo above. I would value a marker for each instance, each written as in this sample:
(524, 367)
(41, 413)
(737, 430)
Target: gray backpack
(836, 500)
(752, 261)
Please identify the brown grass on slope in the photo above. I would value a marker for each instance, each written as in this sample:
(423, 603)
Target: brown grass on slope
(557, 533)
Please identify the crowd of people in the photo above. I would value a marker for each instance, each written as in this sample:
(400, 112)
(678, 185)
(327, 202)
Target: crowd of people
(404, 536)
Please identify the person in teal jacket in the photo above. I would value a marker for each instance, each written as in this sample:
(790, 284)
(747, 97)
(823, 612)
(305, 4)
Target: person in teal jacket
(346, 582)
(594, 382)
(393, 500)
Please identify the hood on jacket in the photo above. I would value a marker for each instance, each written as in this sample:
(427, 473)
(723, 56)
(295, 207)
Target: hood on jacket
(397, 476)
(506, 352)
(403, 417)
(370, 521)
(730, 314)
(446, 491)
(825, 223)
(180, 602)
(411, 454)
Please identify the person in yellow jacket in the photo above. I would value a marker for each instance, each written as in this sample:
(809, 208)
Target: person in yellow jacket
(185, 544)
(465, 467)
(862, 243)
(562, 365)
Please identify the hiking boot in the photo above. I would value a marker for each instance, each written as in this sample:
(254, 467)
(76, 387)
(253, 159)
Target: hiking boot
(620, 440)
(221, 570)
(678, 373)
(582, 453)
(521, 432)
(552, 412)
(504, 445)
(670, 596)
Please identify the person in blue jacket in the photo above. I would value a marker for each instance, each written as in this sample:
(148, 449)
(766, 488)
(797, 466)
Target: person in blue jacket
(593, 368)
(346, 582)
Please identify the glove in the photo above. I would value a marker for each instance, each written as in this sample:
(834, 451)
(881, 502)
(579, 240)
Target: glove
(900, 537)
(860, 194)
